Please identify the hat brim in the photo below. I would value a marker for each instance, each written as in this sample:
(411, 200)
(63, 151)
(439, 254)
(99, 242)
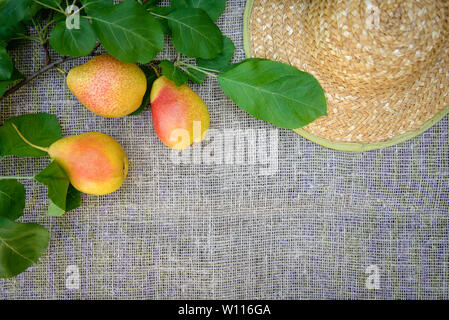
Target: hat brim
(343, 146)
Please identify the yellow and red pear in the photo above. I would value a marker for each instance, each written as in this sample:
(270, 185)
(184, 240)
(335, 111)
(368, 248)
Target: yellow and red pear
(108, 87)
(94, 162)
(180, 116)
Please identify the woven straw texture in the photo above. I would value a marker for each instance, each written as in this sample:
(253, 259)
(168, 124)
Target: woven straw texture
(384, 65)
(311, 229)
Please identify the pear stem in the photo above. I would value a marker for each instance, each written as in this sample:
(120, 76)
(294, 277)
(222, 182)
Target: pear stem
(155, 69)
(27, 141)
(38, 73)
(46, 68)
(16, 178)
(203, 70)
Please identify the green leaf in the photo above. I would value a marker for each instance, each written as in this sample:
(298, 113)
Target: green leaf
(128, 32)
(196, 76)
(162, 11)
(8, 32)
(51, 3)
(151, 77)
(194, 34)
(173, 73)
(12, 199)
(16, 75)
(274, 92)
(41, 129)
(73, 42)
(214, 8)
(222, 60)
(73, 199)
(95, 6)
(54, 210)
(6, 65)
(21, 245)
(59, 17)
(13, 11)
(57, 182)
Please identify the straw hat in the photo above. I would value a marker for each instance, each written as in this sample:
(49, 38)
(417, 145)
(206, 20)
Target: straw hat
(384, 64)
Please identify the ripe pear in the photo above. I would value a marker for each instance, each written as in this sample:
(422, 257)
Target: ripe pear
(94, 162)
(108, 87)
(180, 116)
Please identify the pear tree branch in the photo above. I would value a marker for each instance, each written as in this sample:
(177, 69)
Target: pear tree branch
(43, 70)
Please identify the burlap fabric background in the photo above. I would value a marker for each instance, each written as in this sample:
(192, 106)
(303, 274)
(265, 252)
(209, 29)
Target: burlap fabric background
(225, 232)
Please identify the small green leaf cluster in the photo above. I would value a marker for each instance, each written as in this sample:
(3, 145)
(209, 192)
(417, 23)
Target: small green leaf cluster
(21, 244)
(271, 91)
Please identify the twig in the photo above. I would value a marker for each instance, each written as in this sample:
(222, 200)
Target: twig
(47, 53)
(15, 178)
(42, 71)
(44, 32)
(50, 7)
(35, 75)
